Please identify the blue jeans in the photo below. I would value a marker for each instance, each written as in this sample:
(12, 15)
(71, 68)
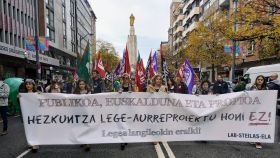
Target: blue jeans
(4, 116)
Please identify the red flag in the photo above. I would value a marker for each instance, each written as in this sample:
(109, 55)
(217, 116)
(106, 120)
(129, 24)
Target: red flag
(127, 64)
(140, 74)
(100, 67)
(151, 69)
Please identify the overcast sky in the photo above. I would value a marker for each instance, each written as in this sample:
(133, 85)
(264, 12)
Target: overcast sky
(151, 22)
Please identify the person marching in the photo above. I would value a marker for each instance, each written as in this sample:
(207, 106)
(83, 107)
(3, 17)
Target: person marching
(4, 95)
(171, 85)
(29, 86)
(82, 88)
(125, 87)
(180, 86)
(259, 85)
(156, 85)
(204, 88)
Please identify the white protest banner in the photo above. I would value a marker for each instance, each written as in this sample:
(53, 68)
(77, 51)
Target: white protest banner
(146, 117)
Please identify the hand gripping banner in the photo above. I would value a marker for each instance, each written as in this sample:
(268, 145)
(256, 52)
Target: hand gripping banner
(145, 117)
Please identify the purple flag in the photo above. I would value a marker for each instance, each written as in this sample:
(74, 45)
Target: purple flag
(189, 76)
(122, 64)
(117, 70)
(154, 63)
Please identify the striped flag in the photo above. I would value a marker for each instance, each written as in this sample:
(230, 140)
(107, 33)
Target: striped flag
(189, 76)
(164, 65)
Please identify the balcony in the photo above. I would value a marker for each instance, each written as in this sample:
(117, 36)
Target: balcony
(187, 6)
(224, 3)
(179, 28)
(177, 41)
(194, 11)
(190, 28)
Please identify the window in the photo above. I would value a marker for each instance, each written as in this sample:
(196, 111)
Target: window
(5, 9)
(47, 18)
(22, 18)
(19, 42)
(14, 13)
(1, 35)
(11, 39)
(73, 35)
(63, 13)
(50, 18)
(18, 15)
(10, 11)
(7, 37)
(15, 40)
(49, 3)
(72, 7)
(64, 28)
(25, 17)
(23, 43)
(73, 47)
(32, 23)
(72, 21)
(28, 22)
(250, 48)
(1, 7)
(50, 33)
(64, 42)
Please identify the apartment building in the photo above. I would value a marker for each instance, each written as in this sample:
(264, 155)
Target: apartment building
(69, 24)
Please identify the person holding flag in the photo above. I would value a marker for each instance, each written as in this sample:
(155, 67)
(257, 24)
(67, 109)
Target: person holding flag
(97, 83)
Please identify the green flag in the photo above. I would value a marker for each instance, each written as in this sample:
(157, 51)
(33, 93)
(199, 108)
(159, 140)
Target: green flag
(139, 58)
(82, 64)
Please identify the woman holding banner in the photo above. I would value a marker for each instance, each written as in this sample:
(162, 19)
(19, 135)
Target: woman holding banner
(156, 85)
(171, 85)
(29, 86)
(125, 86)
(260, 84)
(83, 88)
(204, 88)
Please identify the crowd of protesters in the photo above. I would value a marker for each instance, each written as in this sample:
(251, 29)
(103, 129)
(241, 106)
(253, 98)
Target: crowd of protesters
(127, 83)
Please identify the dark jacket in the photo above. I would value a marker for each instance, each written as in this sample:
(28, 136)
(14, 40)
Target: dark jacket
(181, 89)
(274, 85)
(97, 86)
(220, 87)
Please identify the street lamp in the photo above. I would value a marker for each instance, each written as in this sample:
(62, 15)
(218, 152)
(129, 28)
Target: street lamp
(82, 38)
(51, 69)
(235, 3)
(26, 62)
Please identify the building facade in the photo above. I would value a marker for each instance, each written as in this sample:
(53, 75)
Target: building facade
(69, 24)
(18, 20)
(55, 19)
(174, 13)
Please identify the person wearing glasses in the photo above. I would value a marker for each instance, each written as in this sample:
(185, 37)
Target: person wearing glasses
(125, 86)
(260, 84)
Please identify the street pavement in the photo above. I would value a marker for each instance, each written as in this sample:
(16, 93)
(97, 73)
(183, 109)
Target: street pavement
(14, 145)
